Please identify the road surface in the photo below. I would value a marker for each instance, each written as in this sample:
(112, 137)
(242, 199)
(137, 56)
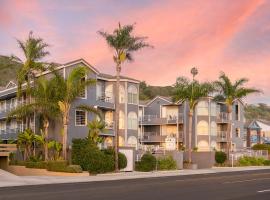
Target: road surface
(251, 185)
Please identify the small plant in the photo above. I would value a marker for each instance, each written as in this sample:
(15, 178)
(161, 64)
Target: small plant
(195, 149)
(167, 163)
(220, 157)
(147, 163)
(252, 161)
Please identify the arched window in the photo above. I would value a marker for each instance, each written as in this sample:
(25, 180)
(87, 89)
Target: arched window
(202, 108)
(202, 128)
(132, 121)
(121, 120)
(203, 145)
(132, 94)
(132, 141)
(121, 94)
(109, 119)
(213, 128)
(121, 141)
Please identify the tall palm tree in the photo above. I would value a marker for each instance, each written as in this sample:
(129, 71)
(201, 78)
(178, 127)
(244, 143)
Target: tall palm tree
(96, 127)
(70, 88)
(191, 92)
(45, 105)
(34, 51)
(124, 44)
(229, 92)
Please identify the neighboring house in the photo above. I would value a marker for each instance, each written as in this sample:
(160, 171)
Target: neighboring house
(101, 96)
(162, 121)
(257, 131)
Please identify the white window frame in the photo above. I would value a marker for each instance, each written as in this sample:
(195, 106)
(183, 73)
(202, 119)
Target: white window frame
(76, 118)
(132, 126)
(85, 91)
(132, 95)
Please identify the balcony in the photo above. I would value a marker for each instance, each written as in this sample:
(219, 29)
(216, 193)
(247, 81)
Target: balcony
(222, 136)
(109, 125)
(105, 101)
(156, 120)
(222, 117)
(156, 137)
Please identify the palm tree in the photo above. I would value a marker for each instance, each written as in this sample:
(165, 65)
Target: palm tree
(45, 105)
(70, 88)
(229, 92)
(96, 127)
(25, 141)
(191, 92)
(124, 45)
(34, 50)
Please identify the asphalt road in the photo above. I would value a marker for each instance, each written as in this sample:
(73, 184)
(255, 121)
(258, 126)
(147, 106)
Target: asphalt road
(252, 185)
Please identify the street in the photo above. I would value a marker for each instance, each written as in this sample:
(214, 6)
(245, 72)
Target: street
(223, 186)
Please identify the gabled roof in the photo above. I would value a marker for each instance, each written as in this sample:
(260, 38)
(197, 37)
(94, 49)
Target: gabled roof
(108, 76)
(167, 99)
(10, 84)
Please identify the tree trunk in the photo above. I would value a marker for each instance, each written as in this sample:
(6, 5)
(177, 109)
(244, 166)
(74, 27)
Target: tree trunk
(190, 136)
(118, 69)
(229, 111)
(46, 126)
(65, 132)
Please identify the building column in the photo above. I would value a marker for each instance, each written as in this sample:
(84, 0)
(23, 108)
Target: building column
(259, 136)
(248, 137)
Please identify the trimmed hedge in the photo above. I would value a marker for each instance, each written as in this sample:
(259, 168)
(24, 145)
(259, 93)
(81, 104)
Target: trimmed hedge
(86, 154)
(147, 163)
(36, 165)
(62, 166)
(17, 162)
(167, 163)
(220, 157)
(251, 161)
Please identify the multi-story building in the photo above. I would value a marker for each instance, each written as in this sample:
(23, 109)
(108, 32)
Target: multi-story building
(162, 122)
(101, 96)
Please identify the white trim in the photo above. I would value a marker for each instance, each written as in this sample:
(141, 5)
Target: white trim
(9, 83)
(155, 99)
(85, 117)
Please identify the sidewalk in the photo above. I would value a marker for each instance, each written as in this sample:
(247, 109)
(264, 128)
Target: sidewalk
(7, 179)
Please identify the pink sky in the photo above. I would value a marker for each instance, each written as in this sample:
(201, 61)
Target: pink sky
(214, 36)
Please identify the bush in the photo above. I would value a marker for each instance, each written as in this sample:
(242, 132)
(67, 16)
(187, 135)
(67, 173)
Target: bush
(220, 157)
(251, 161)
(17, 162)
(62, 166)
(167, 163)
(122, 160)
(36, 165)
(86, 154)
(147, 163)
(266, 162)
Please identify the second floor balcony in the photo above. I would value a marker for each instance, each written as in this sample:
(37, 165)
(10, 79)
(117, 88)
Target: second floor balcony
(157, 137)
(105, 100)
(222, 117)
(157, 120)
(221, 136)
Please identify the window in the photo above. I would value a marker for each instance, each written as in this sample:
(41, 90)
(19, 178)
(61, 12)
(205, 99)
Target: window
(109, 119)
(202, 128)
(121, 141)
(132, 94)
(99, 90)
(237, 132)
(121, 120)
(2, 126)
(80, 118)
(132, 121)
(2, 106)
(121, 94)
(202, 108)
(83, 93)
(109, 93)
(203, 145)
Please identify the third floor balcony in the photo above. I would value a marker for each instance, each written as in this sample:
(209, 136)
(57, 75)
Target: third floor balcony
(157, 120)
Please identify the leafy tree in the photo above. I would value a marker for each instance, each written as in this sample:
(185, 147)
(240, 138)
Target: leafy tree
(191, 92)
(25, 142)
(124, 44)
(229, 92)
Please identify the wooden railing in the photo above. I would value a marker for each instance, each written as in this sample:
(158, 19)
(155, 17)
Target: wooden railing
(5, 149)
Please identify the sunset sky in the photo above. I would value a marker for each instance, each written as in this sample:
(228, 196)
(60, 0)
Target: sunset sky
(213, 35)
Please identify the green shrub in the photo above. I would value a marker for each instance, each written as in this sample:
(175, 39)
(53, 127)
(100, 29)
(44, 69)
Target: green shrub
(147, 163)
(266, 162)
(122, 160)
(62, 166)
(17, 162)
(86, 154)
(220, 157)
(37, 165)
(251, 161)
(167, 163)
